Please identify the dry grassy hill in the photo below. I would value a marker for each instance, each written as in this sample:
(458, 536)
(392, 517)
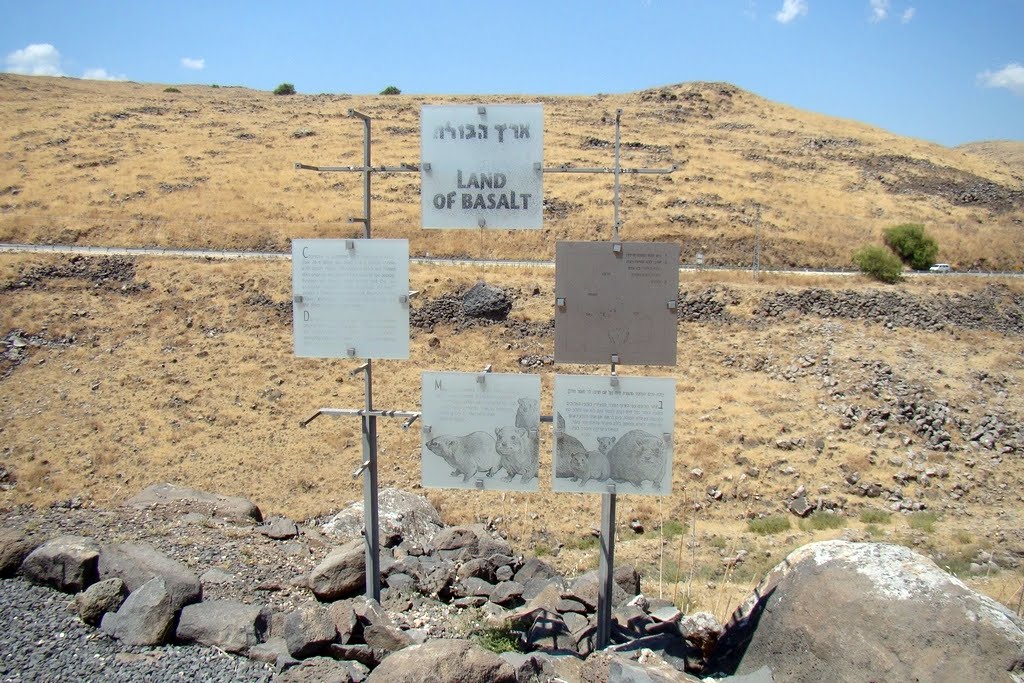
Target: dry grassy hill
(90, 162)
(119, 373)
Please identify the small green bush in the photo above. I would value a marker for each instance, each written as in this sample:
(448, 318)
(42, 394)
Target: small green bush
(923, 521)
(912, 244)
(875, 516)
(819, 521)
(581, 542)
(672, 528)
(171, 89)
(769, 525)
(878, 263)
(498, 640)
(541, 550)
(391, 90)
(214, 86)
(285, 89)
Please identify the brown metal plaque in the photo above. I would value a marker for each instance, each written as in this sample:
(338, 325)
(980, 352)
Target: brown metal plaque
(616, 302)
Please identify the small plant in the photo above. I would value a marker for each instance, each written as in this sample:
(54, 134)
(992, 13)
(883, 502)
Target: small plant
(819, 521)
(498, 640)
(581, 542)
(171, 89)
(541, 550)
(874, 531)
(923, 521)
(391, 90)
(764, 526)
(879, 263)
(672, 528)
(912, 244)
(962, 537)
(214, 86)
(285, 89)
(875, 516)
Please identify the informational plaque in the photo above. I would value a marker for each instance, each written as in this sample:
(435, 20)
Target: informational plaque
(614, 430)
(482, 166)
(616, 302)
(480, 431)
(351, 298)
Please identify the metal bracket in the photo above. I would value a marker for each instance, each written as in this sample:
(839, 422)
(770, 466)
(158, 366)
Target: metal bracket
(617, 248)
(403, 298)
(427, 429)
(297, 298)
(359, 470)
(361, 368)
(615, 381)
(482, 375)
(426, 167)
(351, 353)
(672, 304)
(350, 245)
(408, 423)
(482, 223)
(560, 302)
(537, 166)
(611, 489)
(482, 111)
(479, 484)
(615, 358)
(667, 437)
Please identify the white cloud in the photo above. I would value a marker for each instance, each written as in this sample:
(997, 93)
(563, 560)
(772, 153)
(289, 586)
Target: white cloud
(100, 74)
(879, 10)
(1010, 77)
(908, 14)
(791, 9)
(196, 63)
(40, 59)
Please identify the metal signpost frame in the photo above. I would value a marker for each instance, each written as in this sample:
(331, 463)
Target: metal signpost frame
(369, 415)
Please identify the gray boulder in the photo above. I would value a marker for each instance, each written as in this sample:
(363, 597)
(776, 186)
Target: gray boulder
(100, 598)
(14, 548)
(232, 626)
(324, 670)
(401, 515)
(507, 593)
(309, 631)
(67, 563)
(486, 301)
(443, 661)
(868, 611)
(341, 574)
(464, 543)
(145, 618)
(227, 507)
(279, 528)
(535, 568)
(138, 563)
(586, 589)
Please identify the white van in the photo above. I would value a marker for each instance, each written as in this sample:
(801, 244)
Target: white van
(940, 268)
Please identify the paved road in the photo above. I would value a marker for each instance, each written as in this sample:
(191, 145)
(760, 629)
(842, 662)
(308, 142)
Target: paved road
(274, 255)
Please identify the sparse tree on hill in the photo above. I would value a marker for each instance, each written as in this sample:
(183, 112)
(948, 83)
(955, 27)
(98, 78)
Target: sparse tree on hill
(285, 89)
(879, 263)
(912, 244)
(391, 90)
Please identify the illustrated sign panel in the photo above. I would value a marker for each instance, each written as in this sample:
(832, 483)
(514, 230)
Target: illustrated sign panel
(482, 166)
(350, 298)
(480, 431)
(616, 298)
(614, 430)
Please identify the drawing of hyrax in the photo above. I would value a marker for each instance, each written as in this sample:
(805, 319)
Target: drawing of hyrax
(468, 454)
(590, 465)
(638, 457)
(519, 452)
(567, 447)
(528, 415)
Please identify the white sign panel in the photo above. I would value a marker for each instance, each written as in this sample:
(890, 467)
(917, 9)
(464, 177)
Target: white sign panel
(351, 298)
(480, 431)
(482, 166)
(614, 430)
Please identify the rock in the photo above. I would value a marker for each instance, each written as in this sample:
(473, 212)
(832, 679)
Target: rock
(232, 626)
(279, 528)
(14, 548)
(702, 629)
(867, 611)
(628, 579)
(443, 661)
(145, 618)
(566, 605)
(474, 587)
(386, 638)
(324, 670)
(228, 507)
(363, 654)
(309, 631)
(67, 563)
(648, 669)
(405, 515)
(463, 543)
(486, 301)
(550, 632)
(345, 621)
(100, 598)
(274, 651)
(585, 589)
(137, 563)
(541, 667)
(341, 574)
(507, 593)
(535, 568)
(801, 507)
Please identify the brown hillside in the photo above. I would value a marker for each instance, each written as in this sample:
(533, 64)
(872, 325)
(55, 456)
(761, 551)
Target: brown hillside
(1009, 152)
(90, 162)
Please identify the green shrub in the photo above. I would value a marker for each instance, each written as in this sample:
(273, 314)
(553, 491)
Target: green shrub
(819, 521)
(214, 86)
(923, 521)
(391, 90)
(878, 263)
(498, 640)
(912, 244)
(769, 525)
(171, 89)
(874, 530)
(541, 550)
(672, 528)
(875, 516)
(581, 542)
(285, 89)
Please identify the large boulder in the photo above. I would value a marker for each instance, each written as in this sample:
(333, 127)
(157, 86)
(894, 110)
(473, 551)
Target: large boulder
(137, 563)
(100, 598)
(464, 543)
(14, 548)
(228, 507)
(341, 574)
(401, 516)
(443, 661)
(145, 618)
(67, 563)
(230, 625)
(486, 301)
(842, 611)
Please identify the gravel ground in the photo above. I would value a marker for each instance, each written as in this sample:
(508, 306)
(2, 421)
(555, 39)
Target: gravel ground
(42, 640)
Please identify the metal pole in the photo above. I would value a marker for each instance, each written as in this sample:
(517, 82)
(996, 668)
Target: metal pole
(606, 573)
(615, 202)
(371, 528)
